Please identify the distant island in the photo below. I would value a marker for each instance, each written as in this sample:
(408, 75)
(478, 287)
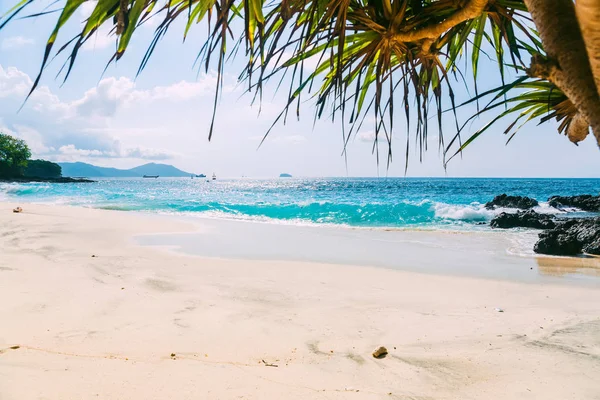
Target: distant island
(150, 169)
(285, 175)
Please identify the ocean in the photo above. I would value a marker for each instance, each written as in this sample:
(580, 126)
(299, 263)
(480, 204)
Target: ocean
(446, 203)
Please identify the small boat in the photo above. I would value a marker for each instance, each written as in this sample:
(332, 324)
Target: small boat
(214, 177)
(201, 176)
(150, 176)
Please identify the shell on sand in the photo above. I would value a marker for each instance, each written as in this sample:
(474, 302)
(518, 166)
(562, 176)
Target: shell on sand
(380, 352)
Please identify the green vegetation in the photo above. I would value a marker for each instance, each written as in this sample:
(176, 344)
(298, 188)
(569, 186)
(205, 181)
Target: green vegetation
(15, 163)
(43, 169)
(14, 154)
(381, 58)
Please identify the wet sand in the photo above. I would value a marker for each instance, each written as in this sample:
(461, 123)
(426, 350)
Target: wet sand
(496, 254)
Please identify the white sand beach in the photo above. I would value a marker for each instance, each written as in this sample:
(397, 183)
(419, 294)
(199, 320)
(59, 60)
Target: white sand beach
(88, 313)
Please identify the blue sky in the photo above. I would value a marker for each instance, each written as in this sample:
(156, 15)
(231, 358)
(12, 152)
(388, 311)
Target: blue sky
(164, 115)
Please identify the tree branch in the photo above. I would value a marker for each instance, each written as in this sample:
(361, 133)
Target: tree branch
(548, 69)
(121, 17)
(471, 10)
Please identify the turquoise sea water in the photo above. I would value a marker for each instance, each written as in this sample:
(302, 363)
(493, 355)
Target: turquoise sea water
(368, 202)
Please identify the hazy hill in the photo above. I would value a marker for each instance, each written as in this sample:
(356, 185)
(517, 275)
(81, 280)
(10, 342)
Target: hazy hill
(92, 171)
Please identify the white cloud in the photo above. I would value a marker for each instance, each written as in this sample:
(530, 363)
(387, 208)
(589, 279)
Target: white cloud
(111, 94)
(16, 84)
(104, 99)
(16, 42)
(81, 128)
(135, 152)
(367, 136)
(71, 150)
(147, 154)
(34, 139)
(182, 90)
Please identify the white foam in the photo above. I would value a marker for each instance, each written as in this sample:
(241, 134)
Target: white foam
(238, 216)
(471, 212)
(545, 208)
(522, 242)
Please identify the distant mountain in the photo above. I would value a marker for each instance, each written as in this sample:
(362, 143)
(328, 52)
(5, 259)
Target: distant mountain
(92, 171)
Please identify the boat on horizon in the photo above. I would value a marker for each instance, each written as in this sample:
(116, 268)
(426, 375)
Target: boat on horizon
(214, 177)
(201, 176)
(150, 176)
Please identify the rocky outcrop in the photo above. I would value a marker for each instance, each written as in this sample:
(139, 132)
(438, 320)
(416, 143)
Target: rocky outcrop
(523, 219)
(506, 201)
(571, 237)
(585, 202)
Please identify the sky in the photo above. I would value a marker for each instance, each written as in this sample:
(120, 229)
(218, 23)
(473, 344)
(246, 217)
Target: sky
(115, 119)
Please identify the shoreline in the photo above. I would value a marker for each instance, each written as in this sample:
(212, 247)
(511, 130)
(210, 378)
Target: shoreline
(570, 269)
(507, 254)
(579, 270)
(96, 315)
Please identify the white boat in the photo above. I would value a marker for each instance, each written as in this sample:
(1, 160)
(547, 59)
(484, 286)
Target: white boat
(214, 177)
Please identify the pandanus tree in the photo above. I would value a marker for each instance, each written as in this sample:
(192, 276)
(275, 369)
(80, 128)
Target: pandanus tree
(380, 58)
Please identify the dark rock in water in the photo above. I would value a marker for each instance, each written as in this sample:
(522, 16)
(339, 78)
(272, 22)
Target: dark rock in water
(506, 201)
(570, 238)
(523, 219)
(593, 247)
(585, 202)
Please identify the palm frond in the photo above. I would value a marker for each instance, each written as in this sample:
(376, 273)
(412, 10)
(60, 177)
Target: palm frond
(535, 99)
(371, 53)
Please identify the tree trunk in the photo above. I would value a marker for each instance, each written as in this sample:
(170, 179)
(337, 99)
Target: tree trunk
(559, 29)
(588, 14)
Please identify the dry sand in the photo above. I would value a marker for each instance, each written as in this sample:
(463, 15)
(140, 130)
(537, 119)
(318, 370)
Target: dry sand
(96, 316)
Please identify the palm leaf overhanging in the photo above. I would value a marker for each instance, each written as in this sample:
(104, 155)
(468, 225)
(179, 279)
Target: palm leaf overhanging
(372, 56)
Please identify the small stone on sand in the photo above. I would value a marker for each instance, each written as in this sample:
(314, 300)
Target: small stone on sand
(381, 352)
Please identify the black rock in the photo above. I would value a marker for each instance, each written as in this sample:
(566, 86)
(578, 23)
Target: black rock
(506, 201)
(585, 202)
(523, 219)
(570, 238)
(593, 247)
